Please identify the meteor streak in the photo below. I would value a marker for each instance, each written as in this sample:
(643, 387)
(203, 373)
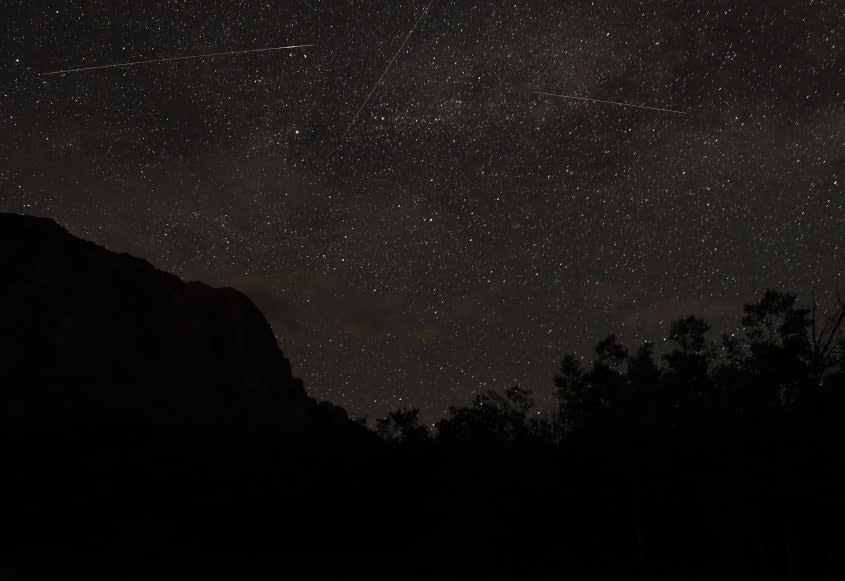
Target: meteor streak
(387, 68)
(178, 58)
(610, 102)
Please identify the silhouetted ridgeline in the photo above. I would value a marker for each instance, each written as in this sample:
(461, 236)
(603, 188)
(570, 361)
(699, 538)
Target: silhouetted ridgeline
(143, 416)
(138, 408)
(93, 337)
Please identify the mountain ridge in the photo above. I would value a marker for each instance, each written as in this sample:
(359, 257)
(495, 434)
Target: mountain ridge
(84, 323)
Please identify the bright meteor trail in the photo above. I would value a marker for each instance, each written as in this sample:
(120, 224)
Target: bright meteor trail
(178, 58)
(610, 102)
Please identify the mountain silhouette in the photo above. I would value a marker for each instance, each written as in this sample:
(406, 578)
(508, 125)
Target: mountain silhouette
(91, 336)
(139, 409)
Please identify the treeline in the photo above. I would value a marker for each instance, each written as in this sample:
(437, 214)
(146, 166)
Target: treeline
(721, 454)
(785, 359)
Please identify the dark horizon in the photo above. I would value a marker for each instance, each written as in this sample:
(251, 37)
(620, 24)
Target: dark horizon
(825, 306)
(151, 425)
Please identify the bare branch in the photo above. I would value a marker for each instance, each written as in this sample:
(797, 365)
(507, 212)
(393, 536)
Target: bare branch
(836, 321)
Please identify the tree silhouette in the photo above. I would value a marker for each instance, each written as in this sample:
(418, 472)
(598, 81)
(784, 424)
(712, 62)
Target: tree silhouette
(402, 425)
(713, 446)
(491, 417)
(571, 394)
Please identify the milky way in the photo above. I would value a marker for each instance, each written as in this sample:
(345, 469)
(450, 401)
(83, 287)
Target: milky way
(467, 233)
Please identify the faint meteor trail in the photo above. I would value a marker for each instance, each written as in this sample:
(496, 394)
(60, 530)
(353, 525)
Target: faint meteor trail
(610, 102)
(387, 68)
(178, 58)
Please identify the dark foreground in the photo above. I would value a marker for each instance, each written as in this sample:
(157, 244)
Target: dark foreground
(152, 429)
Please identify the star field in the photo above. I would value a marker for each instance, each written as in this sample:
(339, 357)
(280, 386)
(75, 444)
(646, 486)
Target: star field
(467, 232)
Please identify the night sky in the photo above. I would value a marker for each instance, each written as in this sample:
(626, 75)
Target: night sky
(467, 232)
